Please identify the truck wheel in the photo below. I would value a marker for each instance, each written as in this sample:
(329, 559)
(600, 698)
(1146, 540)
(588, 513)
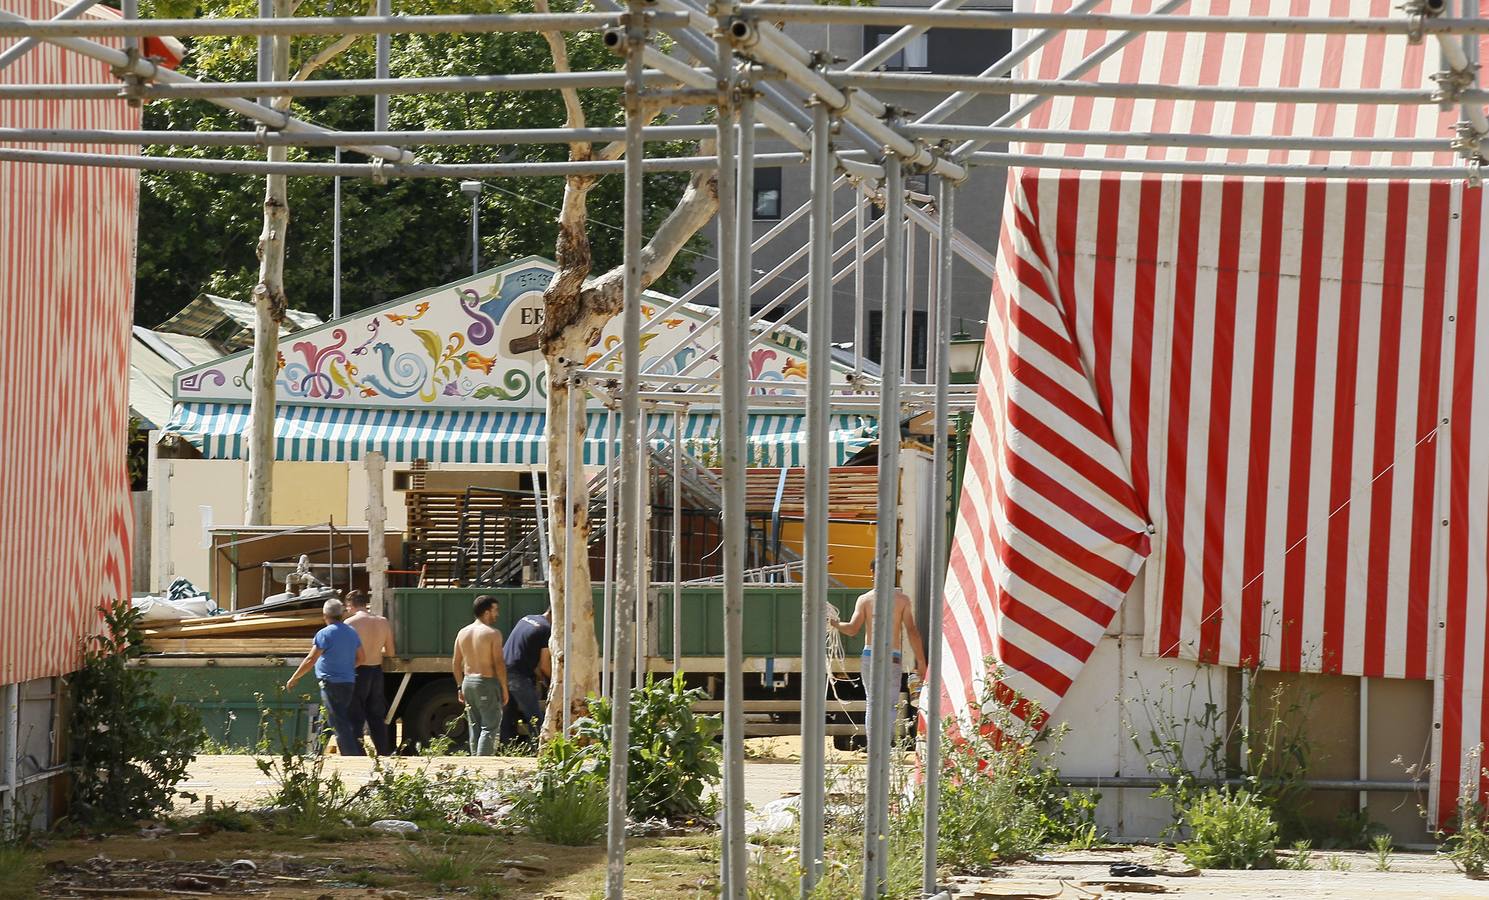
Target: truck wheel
(434, 712)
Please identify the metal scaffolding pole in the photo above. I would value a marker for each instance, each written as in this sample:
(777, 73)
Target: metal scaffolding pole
(530, 23)
(473, 138)
(608, 631)
(860, 204)
(630, 507)
(733, 311)
(347, 87)
(8, 779)
(259, 112)
(572, 480)
(931, 693)
(381, 70)
(375, 171)
(814, 537)
(22, 47)
(876, 819)
(997, 20)
(1166, 139)
(677, 418)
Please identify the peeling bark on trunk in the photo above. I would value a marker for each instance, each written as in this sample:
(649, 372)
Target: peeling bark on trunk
(575, 311)
(270, 305)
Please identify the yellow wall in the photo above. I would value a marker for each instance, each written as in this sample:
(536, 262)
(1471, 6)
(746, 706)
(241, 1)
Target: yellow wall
(309, 493)
(850, 546)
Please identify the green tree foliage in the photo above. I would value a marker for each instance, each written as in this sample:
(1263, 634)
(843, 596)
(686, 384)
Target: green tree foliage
(130, 745)
(199, 232)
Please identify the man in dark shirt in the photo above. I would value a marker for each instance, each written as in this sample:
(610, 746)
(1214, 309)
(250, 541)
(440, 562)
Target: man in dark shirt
(529, 666)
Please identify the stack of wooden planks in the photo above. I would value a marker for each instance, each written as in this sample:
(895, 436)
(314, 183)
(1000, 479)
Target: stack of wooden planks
(434, 529)
(269, 633)
(853, 492)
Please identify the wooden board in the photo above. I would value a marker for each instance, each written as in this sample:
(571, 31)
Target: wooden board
(221, 646)
(246, 625)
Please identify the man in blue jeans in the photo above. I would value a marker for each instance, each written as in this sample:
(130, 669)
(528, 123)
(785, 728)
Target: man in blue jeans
(481, 674)
(529, 665)
(336, 653)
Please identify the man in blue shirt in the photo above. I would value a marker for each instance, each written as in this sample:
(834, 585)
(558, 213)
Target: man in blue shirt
(336, 654)
(529, 667)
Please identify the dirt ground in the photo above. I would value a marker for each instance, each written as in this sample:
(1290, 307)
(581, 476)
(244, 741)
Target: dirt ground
(360, 864)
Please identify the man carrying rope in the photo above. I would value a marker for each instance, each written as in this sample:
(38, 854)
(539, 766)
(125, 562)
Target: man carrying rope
(903, 622)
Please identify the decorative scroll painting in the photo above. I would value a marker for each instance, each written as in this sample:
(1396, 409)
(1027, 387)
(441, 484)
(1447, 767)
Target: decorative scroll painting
(454, 346)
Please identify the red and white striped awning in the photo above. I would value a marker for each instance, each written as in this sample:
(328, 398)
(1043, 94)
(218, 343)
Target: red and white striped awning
(67, 237)
(1258, 396)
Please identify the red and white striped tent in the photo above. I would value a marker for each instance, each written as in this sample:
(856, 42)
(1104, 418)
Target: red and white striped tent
(1260, 397)
(67, 237)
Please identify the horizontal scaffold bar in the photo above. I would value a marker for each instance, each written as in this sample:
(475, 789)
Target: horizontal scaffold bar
(473, 24)
(340, 87)
(1174, 139)
(486, 137)
(1072, 21)
(375, 170)
(1229, 169)
(1143, 90)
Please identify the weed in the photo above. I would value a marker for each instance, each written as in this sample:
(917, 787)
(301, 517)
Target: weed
(487, 890)
(573, 811)
(442, 744)
(365, 878)
(1382, 848)
(1338, 863)
(1468, 845)
(227, 817)
(438, 867)
(131, 745)
(421, 793)
(1196, 751)
(1300, 860)
(20, 873)
(1001, 797)
(1230, 830)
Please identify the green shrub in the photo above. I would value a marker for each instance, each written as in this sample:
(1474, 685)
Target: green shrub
(131, 746)
(440, 867)
(1230, 830)
(1468, 845)
(673, 759)
(1382, 846)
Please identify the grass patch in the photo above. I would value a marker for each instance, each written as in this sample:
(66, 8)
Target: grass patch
(20, 872)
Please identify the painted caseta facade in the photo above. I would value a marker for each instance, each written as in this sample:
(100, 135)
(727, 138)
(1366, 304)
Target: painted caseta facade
(453, 347)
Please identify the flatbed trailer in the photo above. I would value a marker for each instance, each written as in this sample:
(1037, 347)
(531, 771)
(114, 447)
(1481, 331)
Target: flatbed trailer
(236, 689)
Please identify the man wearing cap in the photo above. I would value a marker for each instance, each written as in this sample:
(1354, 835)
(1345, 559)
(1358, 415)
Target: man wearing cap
(335, 654)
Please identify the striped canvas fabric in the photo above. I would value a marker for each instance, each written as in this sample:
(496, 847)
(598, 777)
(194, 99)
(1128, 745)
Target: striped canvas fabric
(66, 288)
(1257, 396)
(338, 434)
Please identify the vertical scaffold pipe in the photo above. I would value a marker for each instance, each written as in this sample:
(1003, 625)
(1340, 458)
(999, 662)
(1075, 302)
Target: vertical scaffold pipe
(630, 495)
(931, 698)
(573, 478)
(814, 582)
(734, 329)
(880, 718)
(607, 629)
(677, 418)
(384, 51)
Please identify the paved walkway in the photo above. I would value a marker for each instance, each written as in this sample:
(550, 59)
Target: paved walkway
(237, 779)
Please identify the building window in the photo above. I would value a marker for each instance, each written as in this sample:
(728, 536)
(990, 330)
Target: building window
(920, 322)
(913, 57)
(768, 193)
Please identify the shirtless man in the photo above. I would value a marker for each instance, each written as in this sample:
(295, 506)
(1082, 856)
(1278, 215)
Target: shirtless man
(371, 706)
(904, 621)
(481, 675)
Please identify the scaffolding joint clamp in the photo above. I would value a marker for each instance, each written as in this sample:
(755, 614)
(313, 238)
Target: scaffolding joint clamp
(380, 171)
(1417, 12)
(1451, 84)
(1467, 140)
(1475, 177)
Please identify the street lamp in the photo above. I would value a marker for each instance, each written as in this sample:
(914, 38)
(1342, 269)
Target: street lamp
(472, 189)
(964, 357)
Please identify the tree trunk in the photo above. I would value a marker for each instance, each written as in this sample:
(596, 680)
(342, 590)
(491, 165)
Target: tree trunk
(584, 667)
(269, 310)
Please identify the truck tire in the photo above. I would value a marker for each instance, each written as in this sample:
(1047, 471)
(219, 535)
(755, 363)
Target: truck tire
(433, 712)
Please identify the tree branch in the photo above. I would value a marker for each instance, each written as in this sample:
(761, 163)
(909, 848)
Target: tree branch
(573, 110)
(322, 57)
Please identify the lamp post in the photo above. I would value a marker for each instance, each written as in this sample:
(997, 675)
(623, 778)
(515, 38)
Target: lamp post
(965, 361)
(472, 189)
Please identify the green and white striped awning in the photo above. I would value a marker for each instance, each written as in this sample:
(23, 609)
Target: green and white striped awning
(338, 434)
